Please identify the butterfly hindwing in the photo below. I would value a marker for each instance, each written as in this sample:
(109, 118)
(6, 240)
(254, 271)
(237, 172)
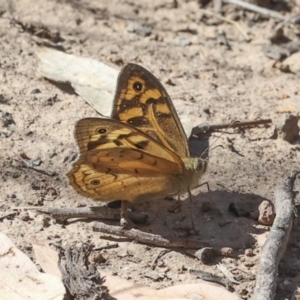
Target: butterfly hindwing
(108, 187)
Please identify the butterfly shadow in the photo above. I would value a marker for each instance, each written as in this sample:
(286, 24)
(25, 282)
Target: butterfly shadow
(221, 219)
(199, 146)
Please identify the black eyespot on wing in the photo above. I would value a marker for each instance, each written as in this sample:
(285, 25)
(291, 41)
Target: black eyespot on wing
(138, 86)
(101, 130)
(95, 182)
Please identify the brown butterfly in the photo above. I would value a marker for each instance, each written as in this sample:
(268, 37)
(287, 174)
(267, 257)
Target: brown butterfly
(142, 152)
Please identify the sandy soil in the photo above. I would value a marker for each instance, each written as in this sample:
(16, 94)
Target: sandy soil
(207, 81)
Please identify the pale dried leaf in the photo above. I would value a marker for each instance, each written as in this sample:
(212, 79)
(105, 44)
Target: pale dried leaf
(47, 258)
(20, 279)
(91, 79)
(125, 290)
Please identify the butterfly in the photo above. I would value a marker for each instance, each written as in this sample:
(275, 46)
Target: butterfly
(141, 153)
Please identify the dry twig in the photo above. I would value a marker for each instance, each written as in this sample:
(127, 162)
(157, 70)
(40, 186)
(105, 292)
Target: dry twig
(293, 19)
(109, 246)
(7, 216)
(227, 273)
(149, 238)
(237, 25)
(210, 277)
(205, 127)
(260, 10)
(94, 212)
(158, 257)
(30, 165)
(80, 276)
(276, 243)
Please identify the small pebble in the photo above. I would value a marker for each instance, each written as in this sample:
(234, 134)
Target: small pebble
(266, 214)
(139, 29)
(161, 264)
(135, 260)
(287, 127)
(97, 257)
(154, 275)
(205, 255)
(244, 292)
(183, 42)
(24, 216)
(249, 264)
(32, 214)
(122, 253)
(226, 251)
(249, 252)
(43, 221)
(35, 91)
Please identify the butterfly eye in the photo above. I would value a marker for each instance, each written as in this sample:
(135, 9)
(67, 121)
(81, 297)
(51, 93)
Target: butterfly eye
(102, 130)
(95, 182)
(137, 86)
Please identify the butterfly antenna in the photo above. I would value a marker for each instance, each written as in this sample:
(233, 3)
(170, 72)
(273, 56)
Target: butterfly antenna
(208, 148)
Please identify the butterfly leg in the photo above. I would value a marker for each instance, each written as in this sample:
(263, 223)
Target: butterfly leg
(123, 214)
(191, 210)
(177, 207)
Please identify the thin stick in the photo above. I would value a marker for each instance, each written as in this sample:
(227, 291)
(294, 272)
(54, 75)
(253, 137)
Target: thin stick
(109, 246)
(237, 25)
(260, 10)
(149, 238)
(158, 257)
(94, 212)
(276, 243)
(292, 19)
(205, 128)
(7, 216)
(30, 165)
(227, 273)
(209, 277)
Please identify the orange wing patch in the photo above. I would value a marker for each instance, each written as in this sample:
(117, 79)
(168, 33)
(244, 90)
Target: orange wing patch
(141, 101)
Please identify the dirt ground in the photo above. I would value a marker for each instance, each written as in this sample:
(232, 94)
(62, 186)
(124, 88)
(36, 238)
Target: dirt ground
(208, 81)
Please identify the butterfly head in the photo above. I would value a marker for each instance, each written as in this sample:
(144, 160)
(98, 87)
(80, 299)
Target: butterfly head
(199, 164)
(195, 167)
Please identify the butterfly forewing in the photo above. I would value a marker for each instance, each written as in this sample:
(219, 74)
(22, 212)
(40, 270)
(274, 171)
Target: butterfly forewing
(142, 102)
(97, 133)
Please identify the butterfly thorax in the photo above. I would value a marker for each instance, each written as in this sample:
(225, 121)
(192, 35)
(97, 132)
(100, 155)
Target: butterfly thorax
(195, 167)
